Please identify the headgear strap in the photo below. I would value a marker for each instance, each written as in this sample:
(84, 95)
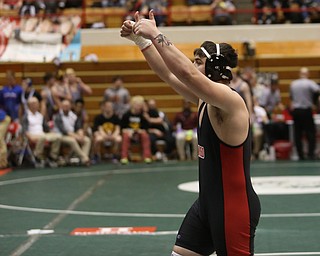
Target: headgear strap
(218, 49)
(205, 52)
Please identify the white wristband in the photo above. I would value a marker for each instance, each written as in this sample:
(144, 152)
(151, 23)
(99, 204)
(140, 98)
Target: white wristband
(141, 42)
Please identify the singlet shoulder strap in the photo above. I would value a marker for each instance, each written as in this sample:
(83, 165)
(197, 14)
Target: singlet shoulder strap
(201, 106)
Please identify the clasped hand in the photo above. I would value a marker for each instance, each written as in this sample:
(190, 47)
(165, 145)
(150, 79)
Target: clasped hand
(142, 27)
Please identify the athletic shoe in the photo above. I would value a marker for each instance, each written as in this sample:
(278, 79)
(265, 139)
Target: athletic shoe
(148, 160)
(96, 159)
(124, 161)
(39, 163)
(52, 163)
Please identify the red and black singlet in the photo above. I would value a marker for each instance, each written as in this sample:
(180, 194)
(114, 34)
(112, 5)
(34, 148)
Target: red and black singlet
(227, 200)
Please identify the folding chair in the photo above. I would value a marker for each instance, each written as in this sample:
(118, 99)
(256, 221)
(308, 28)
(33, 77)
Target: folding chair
(26, 151)
(13, 141)
(18, 145)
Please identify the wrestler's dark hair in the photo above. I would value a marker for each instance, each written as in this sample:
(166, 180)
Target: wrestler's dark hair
(229, 53)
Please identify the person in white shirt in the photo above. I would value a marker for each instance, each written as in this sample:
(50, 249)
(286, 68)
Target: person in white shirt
(260, 119)
(37, 131)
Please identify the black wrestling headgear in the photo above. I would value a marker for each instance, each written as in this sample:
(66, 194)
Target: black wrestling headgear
(217, 68)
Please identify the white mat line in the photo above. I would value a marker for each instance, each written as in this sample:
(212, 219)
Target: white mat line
(143, 215)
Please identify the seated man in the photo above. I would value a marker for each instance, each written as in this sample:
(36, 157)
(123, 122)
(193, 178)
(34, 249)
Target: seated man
(134, 127)
(65, 123)
(223, 10)
(185, 123)
(106, 130)
(259, 121)
(159, 131)
(82, 116)
(160, 9)
(37, 131)
(4, 124)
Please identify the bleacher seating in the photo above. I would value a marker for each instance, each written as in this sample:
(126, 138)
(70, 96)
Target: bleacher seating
(178, 11)
(139, 79)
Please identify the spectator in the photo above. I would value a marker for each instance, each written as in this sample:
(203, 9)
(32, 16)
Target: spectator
(260, 119)
(52, 7)
(185, 124)
(223, 10)
(119, 96)
(249, 75)
(106, 131)
(159, 130)
(82, 116)
(46, 25)
(65, 122)
(4, 123)
(60, 89)
(10, 96)
(77, 87)
(50, 107)
(297, 11)
(134, 127)
(199, 2)
(31, 8)
(257, 84)
(28, 91)
(70, 4)
(271, 97)
(313, 7)
(258, 88)
(276, 129)
(244, 89)
(302, 93)
(160, 10)
(132, 6)
(109, 3)
(265, 12)
(27, 25)
(37, 132)
(74, 3)
(11, 4)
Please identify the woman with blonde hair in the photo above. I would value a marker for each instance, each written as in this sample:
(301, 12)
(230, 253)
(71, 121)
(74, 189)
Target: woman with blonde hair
(134, 128)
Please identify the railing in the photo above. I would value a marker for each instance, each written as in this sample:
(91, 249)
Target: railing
(181, 14)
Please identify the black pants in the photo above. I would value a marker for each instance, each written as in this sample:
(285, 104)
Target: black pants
(304, 125)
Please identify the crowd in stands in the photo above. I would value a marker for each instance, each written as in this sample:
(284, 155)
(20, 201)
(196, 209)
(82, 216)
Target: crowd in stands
(55, 124)
(271, 118)
(293, 11)
(223, 12)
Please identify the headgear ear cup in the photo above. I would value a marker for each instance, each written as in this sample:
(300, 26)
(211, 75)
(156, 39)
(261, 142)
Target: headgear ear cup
(216, 67)
(212, 69)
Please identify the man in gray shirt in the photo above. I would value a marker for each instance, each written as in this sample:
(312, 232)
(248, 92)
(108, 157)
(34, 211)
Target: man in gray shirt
(302, 94)
(119, 96)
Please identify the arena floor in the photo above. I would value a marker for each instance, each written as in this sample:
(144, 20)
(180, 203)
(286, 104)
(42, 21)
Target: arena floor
(132, 210)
